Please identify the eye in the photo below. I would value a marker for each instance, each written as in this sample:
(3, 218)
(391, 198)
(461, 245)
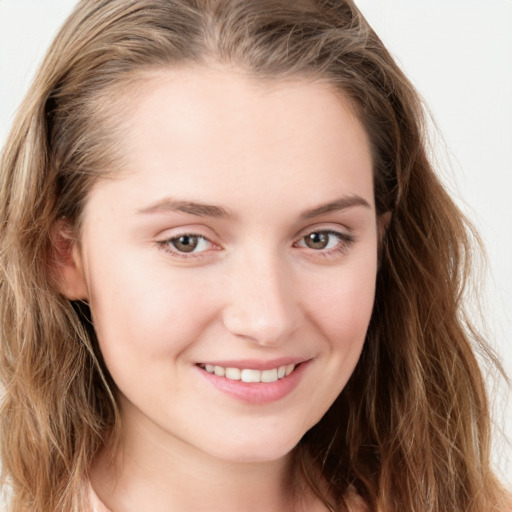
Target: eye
(325, 240)
(187, 243)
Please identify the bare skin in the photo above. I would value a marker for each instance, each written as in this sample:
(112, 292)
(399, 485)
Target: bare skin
(242, 237)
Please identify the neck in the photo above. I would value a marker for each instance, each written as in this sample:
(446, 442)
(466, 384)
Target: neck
(161, 473)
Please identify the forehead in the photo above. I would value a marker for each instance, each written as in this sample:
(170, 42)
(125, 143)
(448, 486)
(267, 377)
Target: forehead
(189, 129)
(192, 99)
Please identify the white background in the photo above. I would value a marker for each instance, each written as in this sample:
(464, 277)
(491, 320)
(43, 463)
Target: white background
(458, 54)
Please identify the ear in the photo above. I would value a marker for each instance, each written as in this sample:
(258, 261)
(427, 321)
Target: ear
(383, 221)
(67, 264)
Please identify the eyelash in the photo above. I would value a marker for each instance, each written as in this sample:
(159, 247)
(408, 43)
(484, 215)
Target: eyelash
(344, 243)
(166, 245)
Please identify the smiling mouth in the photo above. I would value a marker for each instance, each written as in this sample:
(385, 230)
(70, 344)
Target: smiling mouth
(249, 374)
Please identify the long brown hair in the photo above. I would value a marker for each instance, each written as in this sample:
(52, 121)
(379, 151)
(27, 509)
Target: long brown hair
(411, 429)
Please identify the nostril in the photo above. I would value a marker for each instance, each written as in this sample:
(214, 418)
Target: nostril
(259, 324)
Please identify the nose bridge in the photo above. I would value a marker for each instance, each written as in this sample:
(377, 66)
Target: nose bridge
(262, 304)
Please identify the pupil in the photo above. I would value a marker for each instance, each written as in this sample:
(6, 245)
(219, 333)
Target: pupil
(185, 243)
(317, 240)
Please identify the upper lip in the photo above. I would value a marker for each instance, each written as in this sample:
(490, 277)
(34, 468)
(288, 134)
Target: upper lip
(257, 364)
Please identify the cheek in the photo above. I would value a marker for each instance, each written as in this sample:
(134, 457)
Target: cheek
(339, 310)
(141, 313)
(342, 306)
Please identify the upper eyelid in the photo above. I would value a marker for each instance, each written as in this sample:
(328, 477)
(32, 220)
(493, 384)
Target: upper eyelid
(165, 245)
(344, 242)
(344, 237)
(343, 232)
(325, 230)
(188, 233)
(176, 232)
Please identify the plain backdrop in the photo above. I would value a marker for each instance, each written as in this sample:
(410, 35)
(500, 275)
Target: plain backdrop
(458, 53)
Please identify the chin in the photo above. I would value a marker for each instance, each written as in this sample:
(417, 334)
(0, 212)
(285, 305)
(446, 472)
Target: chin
(259, 450)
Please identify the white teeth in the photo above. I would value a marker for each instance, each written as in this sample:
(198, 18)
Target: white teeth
(269, 375)
(219, 371)
(233, 373)
(249, 375)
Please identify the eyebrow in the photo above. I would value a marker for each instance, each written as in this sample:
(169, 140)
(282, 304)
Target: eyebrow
(169, 204)
(342, 203)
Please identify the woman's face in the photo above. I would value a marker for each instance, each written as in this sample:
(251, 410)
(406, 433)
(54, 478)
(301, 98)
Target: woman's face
(238, 245)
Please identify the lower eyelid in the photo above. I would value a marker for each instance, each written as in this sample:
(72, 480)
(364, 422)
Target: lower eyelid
(167, 245)
(344, 241)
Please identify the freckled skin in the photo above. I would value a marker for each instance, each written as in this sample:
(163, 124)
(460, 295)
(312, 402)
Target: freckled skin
(252, 288)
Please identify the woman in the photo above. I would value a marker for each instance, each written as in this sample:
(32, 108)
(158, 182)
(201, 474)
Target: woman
(230, 277)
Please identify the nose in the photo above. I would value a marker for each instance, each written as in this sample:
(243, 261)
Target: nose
(262, 304)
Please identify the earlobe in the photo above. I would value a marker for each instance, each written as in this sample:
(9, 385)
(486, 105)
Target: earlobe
(67, 265)
(383, 222)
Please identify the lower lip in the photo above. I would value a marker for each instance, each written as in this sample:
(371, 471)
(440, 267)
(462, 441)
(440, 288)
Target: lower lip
(256, 392)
